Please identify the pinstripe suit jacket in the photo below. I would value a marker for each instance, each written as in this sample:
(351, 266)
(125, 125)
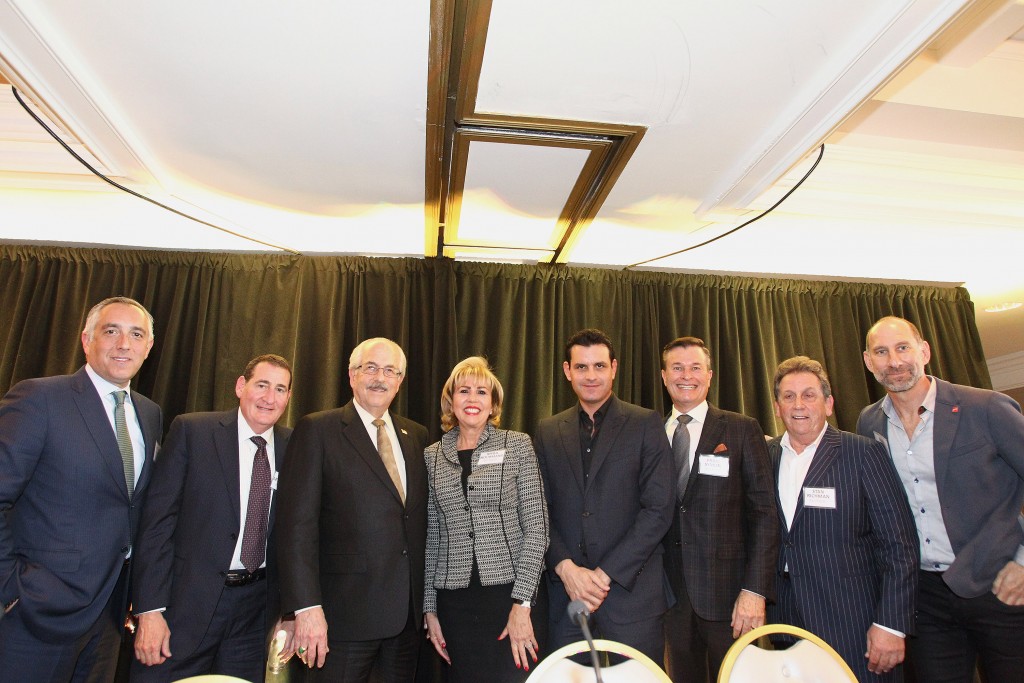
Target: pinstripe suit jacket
(725, 533)
(66, 522)
(979, 470)
(504, 520)
(853, 565)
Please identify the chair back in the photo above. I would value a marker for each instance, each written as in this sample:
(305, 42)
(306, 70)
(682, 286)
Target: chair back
(557, 668)
(810, 660)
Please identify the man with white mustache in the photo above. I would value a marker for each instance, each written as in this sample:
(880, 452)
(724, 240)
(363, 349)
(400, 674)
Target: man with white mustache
(959, 452)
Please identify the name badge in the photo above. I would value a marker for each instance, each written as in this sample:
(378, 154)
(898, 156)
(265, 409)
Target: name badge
(492, 457)
(824, 497)
(713, 466)
(273, 481)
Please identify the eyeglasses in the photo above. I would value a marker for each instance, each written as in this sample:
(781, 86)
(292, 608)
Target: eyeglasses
(373, 369)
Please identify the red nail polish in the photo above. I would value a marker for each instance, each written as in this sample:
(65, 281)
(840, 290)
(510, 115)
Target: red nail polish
(517, 666)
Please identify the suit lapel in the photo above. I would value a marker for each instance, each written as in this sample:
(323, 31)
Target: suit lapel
(947, 420)
(824, 459)
(358, 438)
(415, 475)
(150, 425)
(225, 442)
(93, 411)
(710, 437)
(569, 433)
(280, 449)
(775, 456)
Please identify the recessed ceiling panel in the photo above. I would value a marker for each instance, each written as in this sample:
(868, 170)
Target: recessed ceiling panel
(514, 194)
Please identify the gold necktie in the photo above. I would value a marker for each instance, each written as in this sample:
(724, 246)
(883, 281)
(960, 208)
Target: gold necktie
(388, 455)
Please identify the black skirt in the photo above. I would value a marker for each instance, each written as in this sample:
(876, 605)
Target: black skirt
(471, 620)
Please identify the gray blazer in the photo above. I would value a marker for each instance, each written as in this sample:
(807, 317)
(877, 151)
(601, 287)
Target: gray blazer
(504, 520)
(979, 470)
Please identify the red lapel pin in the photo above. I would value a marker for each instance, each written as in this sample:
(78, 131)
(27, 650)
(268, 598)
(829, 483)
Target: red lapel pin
(956, 409)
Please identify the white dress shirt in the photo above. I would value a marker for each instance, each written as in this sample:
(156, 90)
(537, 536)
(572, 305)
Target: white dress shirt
(246, 456)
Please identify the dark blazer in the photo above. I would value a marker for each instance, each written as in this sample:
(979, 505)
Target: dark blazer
(978, 449)
(853, 565)
(67, 522)
(191, 523)
(344, 539)
(725, 532)
(617, 521)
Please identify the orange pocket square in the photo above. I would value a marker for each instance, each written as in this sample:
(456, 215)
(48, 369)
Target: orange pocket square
(720, 448)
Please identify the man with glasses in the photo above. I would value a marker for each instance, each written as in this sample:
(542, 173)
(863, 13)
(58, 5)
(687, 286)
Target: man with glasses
(352, 527)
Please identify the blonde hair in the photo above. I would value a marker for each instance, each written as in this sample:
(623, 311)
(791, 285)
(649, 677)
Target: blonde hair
(476, 368)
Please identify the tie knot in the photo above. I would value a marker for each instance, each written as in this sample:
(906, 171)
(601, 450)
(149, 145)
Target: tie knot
(119, 397)
(378, 423)
(259, 441)
(684, 419)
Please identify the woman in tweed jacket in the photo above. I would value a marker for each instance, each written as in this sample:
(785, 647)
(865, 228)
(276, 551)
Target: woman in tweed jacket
(487, 532)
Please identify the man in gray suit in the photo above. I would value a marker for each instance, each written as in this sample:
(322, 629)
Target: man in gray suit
(959, 452)
(76, 454)
(847, 563)
(609, 481)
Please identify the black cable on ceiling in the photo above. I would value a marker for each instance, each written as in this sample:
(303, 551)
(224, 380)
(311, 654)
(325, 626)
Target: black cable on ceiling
(821, 153)
(104, 178)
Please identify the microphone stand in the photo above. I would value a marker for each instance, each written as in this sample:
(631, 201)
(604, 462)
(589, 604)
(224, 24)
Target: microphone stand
(594, 659)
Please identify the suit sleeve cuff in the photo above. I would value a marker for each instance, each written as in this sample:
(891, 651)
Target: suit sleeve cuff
(150, 611)
(1019, 557)
(306, 609)
(746, 590)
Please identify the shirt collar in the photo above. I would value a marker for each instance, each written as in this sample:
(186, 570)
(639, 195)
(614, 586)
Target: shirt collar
(246, 432)
(810, 450)
(928, 403)
(104, 387)
(699, 413)
(368, 419)
(599, 414)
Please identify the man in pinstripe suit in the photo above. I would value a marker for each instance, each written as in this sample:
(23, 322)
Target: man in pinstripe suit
(849, 554)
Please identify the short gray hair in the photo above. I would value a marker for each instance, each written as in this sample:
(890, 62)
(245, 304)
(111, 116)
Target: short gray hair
(94, 314)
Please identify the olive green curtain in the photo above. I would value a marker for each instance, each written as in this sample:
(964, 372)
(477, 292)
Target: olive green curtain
(215, 311)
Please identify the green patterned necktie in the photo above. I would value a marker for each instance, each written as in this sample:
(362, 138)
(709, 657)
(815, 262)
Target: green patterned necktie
(124, 441)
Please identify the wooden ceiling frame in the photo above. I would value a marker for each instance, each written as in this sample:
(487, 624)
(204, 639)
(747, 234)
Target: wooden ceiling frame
(458, 35)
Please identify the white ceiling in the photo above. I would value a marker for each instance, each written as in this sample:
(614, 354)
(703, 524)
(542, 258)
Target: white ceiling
(307, 127)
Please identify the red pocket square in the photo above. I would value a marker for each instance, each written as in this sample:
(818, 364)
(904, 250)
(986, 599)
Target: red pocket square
(721, 448)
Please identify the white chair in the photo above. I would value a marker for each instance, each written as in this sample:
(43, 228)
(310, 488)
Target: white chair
(638, 668)
(810, 660)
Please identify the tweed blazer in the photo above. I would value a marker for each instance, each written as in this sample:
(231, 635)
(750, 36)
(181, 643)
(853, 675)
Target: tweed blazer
(503, 522)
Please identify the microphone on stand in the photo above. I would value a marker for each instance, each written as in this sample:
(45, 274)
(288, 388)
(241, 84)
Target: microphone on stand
(580, 615)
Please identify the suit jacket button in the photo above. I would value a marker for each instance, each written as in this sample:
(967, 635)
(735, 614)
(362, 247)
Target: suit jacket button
(682, 509)
(586, 514)
(126, 548)
(466, 507)
(472, 535)
(405, 552)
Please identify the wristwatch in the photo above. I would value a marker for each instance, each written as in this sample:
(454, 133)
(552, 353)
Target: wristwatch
(524, 603)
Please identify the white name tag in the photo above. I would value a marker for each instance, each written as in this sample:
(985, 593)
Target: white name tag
(820, 497)
(492, 457)
(714, 466)
(273, 482)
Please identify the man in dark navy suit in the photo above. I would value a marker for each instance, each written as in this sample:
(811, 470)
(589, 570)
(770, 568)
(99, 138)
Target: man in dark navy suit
(205, 578)
(609, 481)
(848, 558)
(76, 456)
